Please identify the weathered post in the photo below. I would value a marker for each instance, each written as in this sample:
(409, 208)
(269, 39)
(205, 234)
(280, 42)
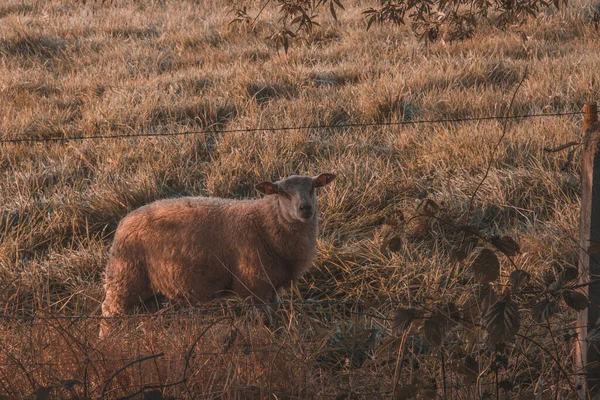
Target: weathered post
(588, 356)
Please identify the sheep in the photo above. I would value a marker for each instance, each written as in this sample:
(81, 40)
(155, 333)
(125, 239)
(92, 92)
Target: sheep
(200, 248)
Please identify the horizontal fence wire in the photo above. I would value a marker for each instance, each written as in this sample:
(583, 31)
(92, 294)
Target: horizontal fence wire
(41, 320)
(200, 310)
(187, 311)
(288, 128)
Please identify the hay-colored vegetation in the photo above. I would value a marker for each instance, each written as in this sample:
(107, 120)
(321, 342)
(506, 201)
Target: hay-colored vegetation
(74, 69)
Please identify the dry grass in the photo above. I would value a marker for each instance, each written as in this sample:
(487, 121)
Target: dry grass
(72, 69)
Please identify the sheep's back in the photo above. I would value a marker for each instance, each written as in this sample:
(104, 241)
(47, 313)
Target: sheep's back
(190, 244)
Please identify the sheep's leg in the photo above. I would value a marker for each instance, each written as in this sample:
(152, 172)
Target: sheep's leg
(268, 305)
(270, 311)
(118, 305)
(122, 296)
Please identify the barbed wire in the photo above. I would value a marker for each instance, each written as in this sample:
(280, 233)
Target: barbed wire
(189, 311)
(340, 355)
(287, 128)
(30, 320)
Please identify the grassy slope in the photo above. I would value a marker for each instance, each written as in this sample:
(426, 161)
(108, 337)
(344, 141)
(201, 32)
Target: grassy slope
(73, 69)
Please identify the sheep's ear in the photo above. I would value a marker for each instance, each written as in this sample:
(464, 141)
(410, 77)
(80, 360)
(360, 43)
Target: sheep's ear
(323, 179)
(267, 188)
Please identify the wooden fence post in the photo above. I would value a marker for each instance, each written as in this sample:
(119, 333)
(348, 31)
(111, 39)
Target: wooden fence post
(588, 356)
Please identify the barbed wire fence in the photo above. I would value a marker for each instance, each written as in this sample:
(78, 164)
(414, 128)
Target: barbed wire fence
(215, 129)
(334, 350)
(346, 348)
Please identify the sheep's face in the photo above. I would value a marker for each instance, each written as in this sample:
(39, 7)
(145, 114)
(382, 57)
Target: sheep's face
(296, 195)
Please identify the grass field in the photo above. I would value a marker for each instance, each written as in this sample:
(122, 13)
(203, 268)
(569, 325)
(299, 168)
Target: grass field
(73, 69)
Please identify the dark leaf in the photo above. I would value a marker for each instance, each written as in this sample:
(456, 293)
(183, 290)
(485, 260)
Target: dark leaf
(469, 368)
(406, 392)
(577, 301)
(554, 286)
(391, 221)
(433, 332)
(332, 10)
(500, 361)
(594, 333)
(466, 246)
(487, 294)
(286, 44)
(70, 383)
(518, 278)
(457, 255)
(418, 227)
(403, 318)
(548, 276)
(502, 320)
(486, 267)
(506, 245)
(478, 302)
(448, 315)
(428, 207)
(230, 340)
(569, 274)
(506, 385)
(543, 310)
(371, 20)
(339, 4)
(468, 229)
(470, 243)
(395, 244)
(43, 392)
(153, 395)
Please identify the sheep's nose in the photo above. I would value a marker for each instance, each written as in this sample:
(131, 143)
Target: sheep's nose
(305, 207)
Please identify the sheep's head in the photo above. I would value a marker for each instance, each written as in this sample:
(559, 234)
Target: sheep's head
(296, 195)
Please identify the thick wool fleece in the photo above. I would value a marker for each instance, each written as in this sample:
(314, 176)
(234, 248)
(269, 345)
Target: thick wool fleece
(195, 249)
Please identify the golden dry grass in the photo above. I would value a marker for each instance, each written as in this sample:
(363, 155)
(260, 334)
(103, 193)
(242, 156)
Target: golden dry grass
(73, 69)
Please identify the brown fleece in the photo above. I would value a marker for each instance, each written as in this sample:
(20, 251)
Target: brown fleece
(196, 248)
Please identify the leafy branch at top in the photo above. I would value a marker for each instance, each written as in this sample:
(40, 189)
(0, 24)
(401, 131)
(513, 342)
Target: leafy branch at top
(430, 20)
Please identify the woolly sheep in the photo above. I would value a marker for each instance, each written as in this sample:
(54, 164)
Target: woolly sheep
(198, 248)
